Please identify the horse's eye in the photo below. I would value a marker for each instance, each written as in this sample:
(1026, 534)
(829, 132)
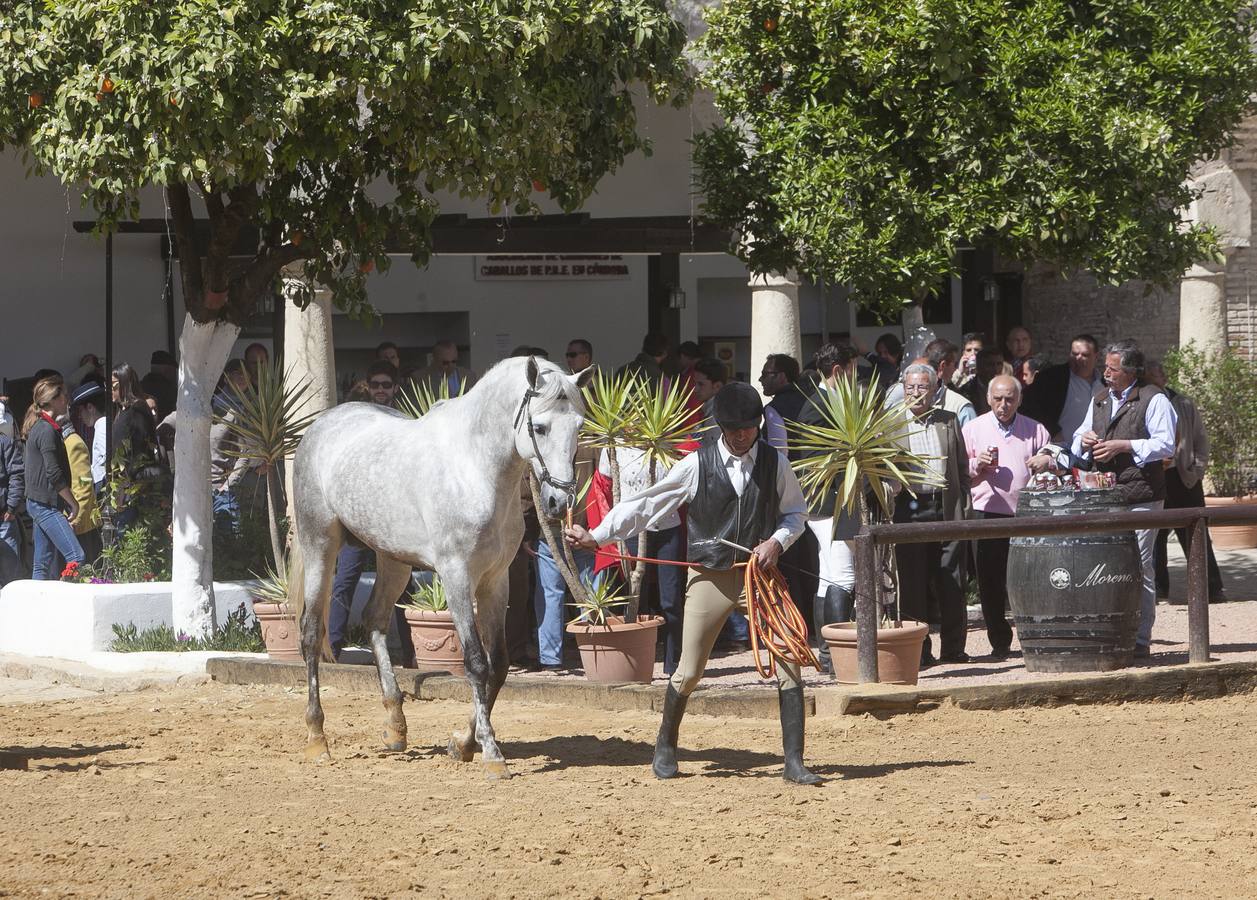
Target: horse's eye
(540, 429)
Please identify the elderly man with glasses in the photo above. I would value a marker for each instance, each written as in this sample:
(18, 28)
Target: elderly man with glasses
(1128, 430)
(928, 588)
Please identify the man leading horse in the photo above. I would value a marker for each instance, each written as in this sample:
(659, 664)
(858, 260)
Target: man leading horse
(742, 491)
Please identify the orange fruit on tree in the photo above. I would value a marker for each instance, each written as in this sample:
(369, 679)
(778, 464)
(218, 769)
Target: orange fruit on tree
(367, 267)
(36, 100)
(770, 24)
(106, 86)
(296, 237)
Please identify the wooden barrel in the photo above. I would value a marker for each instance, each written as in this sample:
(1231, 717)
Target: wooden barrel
(1075, 598)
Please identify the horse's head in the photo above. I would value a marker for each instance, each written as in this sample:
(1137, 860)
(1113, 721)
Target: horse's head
(547, 429)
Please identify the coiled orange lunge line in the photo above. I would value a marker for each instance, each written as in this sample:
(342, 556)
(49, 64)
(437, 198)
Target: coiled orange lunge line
(776, 624)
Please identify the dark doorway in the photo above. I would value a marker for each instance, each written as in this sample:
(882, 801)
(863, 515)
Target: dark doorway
(990, 301)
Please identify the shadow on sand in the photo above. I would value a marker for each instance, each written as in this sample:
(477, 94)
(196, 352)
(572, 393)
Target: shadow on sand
(583, 750)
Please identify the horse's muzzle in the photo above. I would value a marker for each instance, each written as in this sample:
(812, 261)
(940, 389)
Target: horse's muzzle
(555, 503)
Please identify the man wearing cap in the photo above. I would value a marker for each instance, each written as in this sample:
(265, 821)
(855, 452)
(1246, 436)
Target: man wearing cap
(739, 489)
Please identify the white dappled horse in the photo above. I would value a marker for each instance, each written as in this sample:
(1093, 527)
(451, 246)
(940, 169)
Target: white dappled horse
(442, 492)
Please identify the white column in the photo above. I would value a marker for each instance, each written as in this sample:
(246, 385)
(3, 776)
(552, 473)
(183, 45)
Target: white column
(774, 319)
(1202, 308)
(309, 349)
(309, 352)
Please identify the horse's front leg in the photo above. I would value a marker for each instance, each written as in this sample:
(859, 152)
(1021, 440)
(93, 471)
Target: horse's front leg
(491, 604)
(482, 674)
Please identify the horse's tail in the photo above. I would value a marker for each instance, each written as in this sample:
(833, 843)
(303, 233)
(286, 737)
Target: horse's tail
(297, 592)
(296, 579)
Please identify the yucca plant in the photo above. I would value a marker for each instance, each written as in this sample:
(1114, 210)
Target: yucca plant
(270, 586)
(429, 596)
(610, 420)
(863, 445)
(416, 398)
(600, 599)
(267, 424)
(662, 423)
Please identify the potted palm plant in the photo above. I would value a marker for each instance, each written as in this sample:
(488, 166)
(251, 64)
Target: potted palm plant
(861, 449)
(267, 426)
(624, 412)
(437, 648)
(1224, 388)
(610, 652)
(279, 625)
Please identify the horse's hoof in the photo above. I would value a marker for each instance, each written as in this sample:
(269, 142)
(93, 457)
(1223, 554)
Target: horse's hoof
(395, 743)
(394, 740)
(459, 752)
(496, 770)
(317, 752)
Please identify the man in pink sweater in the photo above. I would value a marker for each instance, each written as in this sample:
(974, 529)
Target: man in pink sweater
(1003, 448)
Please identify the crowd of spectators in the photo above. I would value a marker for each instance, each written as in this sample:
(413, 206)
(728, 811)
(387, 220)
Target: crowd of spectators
(988, 418)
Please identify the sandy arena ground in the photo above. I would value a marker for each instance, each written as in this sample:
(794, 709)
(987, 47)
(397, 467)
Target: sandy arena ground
(200, 792)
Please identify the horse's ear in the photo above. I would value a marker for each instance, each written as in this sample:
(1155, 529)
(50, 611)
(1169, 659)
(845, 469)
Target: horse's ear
(585, 376)
(534, 373)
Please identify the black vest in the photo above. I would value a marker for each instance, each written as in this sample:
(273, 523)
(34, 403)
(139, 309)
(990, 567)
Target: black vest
(1135, 484)
(718, 512)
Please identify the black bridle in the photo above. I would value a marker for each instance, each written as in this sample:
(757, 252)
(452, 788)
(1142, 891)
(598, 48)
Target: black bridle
(525, 414)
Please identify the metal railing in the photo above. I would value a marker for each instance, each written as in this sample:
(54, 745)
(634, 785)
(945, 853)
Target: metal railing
(1196, 520)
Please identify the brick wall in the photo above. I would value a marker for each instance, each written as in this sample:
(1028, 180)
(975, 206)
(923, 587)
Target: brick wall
(1056, 307)
(1241, 300)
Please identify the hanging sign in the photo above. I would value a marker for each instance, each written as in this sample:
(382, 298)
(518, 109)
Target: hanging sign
(551, 267)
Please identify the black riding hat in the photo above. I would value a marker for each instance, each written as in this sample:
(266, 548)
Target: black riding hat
(737, 405)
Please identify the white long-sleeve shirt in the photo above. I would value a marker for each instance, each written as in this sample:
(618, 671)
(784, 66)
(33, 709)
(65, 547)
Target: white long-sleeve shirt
(99, 428)
(1159, 418)
(651, 507)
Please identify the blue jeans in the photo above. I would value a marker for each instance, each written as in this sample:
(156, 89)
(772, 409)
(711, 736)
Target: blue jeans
(549, 599)
(226, 510)
(350, 562)
(53, 535)
(668, 544)
(10, 552)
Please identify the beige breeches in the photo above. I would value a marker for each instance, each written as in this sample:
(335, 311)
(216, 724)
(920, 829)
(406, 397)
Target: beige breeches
(710, 596)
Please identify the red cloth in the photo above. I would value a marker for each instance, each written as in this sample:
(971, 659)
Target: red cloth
(597, 505)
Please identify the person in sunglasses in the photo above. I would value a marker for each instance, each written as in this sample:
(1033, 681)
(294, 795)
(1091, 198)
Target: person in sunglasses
(579, 355)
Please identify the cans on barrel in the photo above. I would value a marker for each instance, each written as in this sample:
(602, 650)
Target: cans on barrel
(1074, 597)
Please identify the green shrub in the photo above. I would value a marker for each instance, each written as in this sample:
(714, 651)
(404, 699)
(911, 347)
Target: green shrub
(1224, 388)
(236, 634)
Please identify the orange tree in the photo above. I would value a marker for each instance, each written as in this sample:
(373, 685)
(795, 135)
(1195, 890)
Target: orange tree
(325, 128)
(867, 139)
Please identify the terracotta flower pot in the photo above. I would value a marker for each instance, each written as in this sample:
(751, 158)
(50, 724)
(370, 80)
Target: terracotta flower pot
(1232, 537)
(619, 651)
(279, 630)
(436, 643)
(898, 652)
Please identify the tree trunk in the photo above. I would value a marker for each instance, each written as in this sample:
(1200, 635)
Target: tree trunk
(203, 351)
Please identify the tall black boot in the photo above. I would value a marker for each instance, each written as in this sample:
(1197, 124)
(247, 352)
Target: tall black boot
(791, 702)
(665, 762)
(836, 606)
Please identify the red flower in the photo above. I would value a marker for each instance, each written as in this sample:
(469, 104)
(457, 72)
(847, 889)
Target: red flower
(71, 570)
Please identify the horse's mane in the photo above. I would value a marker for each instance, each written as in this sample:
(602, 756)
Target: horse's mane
(555, 385)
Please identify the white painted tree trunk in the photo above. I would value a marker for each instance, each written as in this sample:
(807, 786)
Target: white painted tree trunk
(203, 352)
